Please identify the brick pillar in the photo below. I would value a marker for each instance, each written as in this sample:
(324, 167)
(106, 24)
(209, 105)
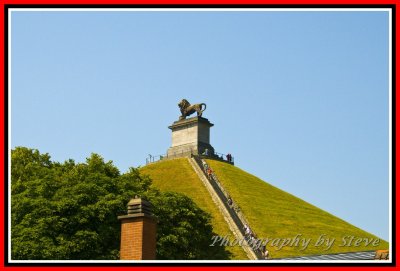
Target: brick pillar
(138, 231)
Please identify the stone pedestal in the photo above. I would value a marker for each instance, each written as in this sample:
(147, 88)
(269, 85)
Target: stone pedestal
(190, 136)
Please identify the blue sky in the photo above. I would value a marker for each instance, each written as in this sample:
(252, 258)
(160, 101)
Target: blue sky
(299, 98)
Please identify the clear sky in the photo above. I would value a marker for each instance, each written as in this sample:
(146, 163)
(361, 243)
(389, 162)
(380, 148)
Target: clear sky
(300, 99)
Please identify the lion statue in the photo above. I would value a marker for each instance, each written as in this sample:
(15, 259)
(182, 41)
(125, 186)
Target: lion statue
(187, 109)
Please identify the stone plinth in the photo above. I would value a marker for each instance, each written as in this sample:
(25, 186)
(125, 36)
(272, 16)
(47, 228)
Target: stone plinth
(190, 136)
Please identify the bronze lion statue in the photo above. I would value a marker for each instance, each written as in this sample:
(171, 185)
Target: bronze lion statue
(188, 109)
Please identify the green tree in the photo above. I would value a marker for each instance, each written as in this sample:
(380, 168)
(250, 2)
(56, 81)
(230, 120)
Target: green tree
(69, 211)
(185, 230)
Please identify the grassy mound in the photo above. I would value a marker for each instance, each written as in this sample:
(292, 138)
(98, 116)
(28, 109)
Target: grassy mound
(275, 214)
(178, 176)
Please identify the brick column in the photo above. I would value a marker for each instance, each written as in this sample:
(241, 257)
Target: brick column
(138, 232)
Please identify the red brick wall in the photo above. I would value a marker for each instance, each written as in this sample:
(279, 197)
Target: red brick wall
(138, 239)
(149, 239)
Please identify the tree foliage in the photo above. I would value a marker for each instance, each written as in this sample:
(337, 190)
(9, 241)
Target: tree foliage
(184, 231)
(69, 211)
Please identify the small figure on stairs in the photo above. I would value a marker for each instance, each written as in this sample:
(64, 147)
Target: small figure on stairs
(230, 201)
(209, 173)
(265, 253)
(205, 166)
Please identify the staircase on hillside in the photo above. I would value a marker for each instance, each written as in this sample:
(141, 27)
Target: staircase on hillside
(229, 209)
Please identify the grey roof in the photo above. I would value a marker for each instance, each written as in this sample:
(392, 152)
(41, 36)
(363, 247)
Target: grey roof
(363, 255)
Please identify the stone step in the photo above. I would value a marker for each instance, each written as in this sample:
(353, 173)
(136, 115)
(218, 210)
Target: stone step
(224, 211)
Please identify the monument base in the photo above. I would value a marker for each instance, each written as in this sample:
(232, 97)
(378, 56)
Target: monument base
(190, 137)
(190, 149)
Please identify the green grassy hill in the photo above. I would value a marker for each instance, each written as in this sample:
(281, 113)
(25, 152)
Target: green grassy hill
(271, 212)
(178, 176)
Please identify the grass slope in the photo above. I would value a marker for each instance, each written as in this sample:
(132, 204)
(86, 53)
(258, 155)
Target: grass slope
(178, 175)
(273, 213)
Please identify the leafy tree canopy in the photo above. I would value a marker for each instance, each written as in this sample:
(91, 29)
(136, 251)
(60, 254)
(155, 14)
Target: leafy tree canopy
(65, 211)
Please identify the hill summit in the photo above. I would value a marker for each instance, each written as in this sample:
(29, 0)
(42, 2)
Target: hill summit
(286, 224)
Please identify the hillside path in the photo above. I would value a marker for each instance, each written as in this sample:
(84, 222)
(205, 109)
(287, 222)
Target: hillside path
(224, 211)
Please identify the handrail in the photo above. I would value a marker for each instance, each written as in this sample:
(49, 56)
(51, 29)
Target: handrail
(219, 156)
(215, 155)
(156, 158)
